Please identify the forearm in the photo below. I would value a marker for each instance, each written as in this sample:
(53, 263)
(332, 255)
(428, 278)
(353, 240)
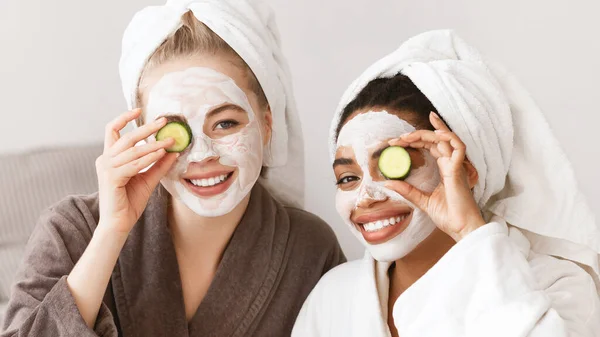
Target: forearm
(90, 277)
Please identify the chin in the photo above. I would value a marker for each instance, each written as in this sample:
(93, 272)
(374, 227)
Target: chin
(402, 244)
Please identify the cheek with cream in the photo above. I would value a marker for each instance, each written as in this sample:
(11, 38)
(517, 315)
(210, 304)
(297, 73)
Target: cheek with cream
(192, 94)
(364, 133)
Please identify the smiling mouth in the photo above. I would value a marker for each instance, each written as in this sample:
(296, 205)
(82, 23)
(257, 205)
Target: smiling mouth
(210, 182)
(384, 228)
(374, 226)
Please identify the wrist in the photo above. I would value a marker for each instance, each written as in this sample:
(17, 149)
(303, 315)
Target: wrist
(111, 229)
(471, 225)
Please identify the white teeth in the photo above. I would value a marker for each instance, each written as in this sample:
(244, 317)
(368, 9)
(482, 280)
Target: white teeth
(210, 181)
(380, 224)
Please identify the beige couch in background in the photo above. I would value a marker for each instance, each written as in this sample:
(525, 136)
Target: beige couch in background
(29, 183)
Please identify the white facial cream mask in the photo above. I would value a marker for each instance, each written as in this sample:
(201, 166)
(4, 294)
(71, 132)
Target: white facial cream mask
(364, 134)
(192, 94)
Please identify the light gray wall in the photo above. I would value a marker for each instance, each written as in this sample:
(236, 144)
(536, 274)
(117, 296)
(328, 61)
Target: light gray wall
(59, 82)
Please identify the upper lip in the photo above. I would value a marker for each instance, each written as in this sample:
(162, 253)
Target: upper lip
(381, 215)
(207, 175)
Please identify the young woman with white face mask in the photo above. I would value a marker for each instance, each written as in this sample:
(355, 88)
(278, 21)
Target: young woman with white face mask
(205, 242)
(480, 238)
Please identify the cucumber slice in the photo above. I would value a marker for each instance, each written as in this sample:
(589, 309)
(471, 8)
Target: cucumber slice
(394, 162)
(177, 130)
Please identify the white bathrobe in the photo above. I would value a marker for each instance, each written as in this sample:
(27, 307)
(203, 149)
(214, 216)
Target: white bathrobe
(489, 284)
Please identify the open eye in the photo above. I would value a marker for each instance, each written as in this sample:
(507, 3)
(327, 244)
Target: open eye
(227, 124)
(347, 179)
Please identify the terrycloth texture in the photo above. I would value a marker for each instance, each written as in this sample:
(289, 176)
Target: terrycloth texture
(248, 26)
(273, 260)
(489, 284)
(524, 176)
(31, 182)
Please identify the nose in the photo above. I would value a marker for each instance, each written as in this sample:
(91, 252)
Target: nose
(201, 150)
(369, 195)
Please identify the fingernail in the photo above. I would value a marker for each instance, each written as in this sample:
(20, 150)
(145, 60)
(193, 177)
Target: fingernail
(160, 120)
(435, 115)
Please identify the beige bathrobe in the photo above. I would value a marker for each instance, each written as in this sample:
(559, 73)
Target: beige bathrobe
(275, 257)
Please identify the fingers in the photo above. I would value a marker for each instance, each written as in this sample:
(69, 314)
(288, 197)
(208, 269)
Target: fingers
(459, 153)
(160, 169)
(111, 132)
(134, 167)
(437, 122)
(137, 152)
(130, 139)
(410, 193)
(423, 139)
(444, 147)
(440, 143)
(426, 136)
(459, 148)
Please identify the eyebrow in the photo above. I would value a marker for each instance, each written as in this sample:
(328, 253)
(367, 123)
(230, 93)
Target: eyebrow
(342, 161)
(225, 107)
(378, 153)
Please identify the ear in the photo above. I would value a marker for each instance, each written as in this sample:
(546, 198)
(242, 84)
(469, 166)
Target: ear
(267, 125)
(472, 175)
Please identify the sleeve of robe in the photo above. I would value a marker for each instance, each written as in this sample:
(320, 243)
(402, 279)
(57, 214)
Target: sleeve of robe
(487, 286)
(41, 303)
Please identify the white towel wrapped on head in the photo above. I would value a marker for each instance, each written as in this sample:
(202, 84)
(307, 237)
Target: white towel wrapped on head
(248, 26)
(524, 176)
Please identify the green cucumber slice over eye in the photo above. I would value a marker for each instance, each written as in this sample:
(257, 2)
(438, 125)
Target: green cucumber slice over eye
(395, 162)
(177, 130)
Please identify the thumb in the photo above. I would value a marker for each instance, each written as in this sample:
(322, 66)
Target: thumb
(159, 169)
(410, 193)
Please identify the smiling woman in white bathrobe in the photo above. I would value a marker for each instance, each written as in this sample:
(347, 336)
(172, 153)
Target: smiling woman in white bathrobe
(488, 235)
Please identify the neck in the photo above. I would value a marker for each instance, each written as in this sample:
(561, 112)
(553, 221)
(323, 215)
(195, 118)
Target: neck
(203, 237)
(413, 266)
(407, 270)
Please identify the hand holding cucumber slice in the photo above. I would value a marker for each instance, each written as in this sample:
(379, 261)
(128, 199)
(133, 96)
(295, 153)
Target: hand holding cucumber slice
(395, 162)
(179, 131)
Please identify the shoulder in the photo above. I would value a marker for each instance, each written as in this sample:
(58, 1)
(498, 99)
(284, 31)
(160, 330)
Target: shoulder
(335, 291)
(312, 245)
(314, 239)
(571, 291)
(342, 279)
(558, 277)
(75, 205)
(60, 237)
(309, 225)
(76, 208)
(74, 217)
(550, 270)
